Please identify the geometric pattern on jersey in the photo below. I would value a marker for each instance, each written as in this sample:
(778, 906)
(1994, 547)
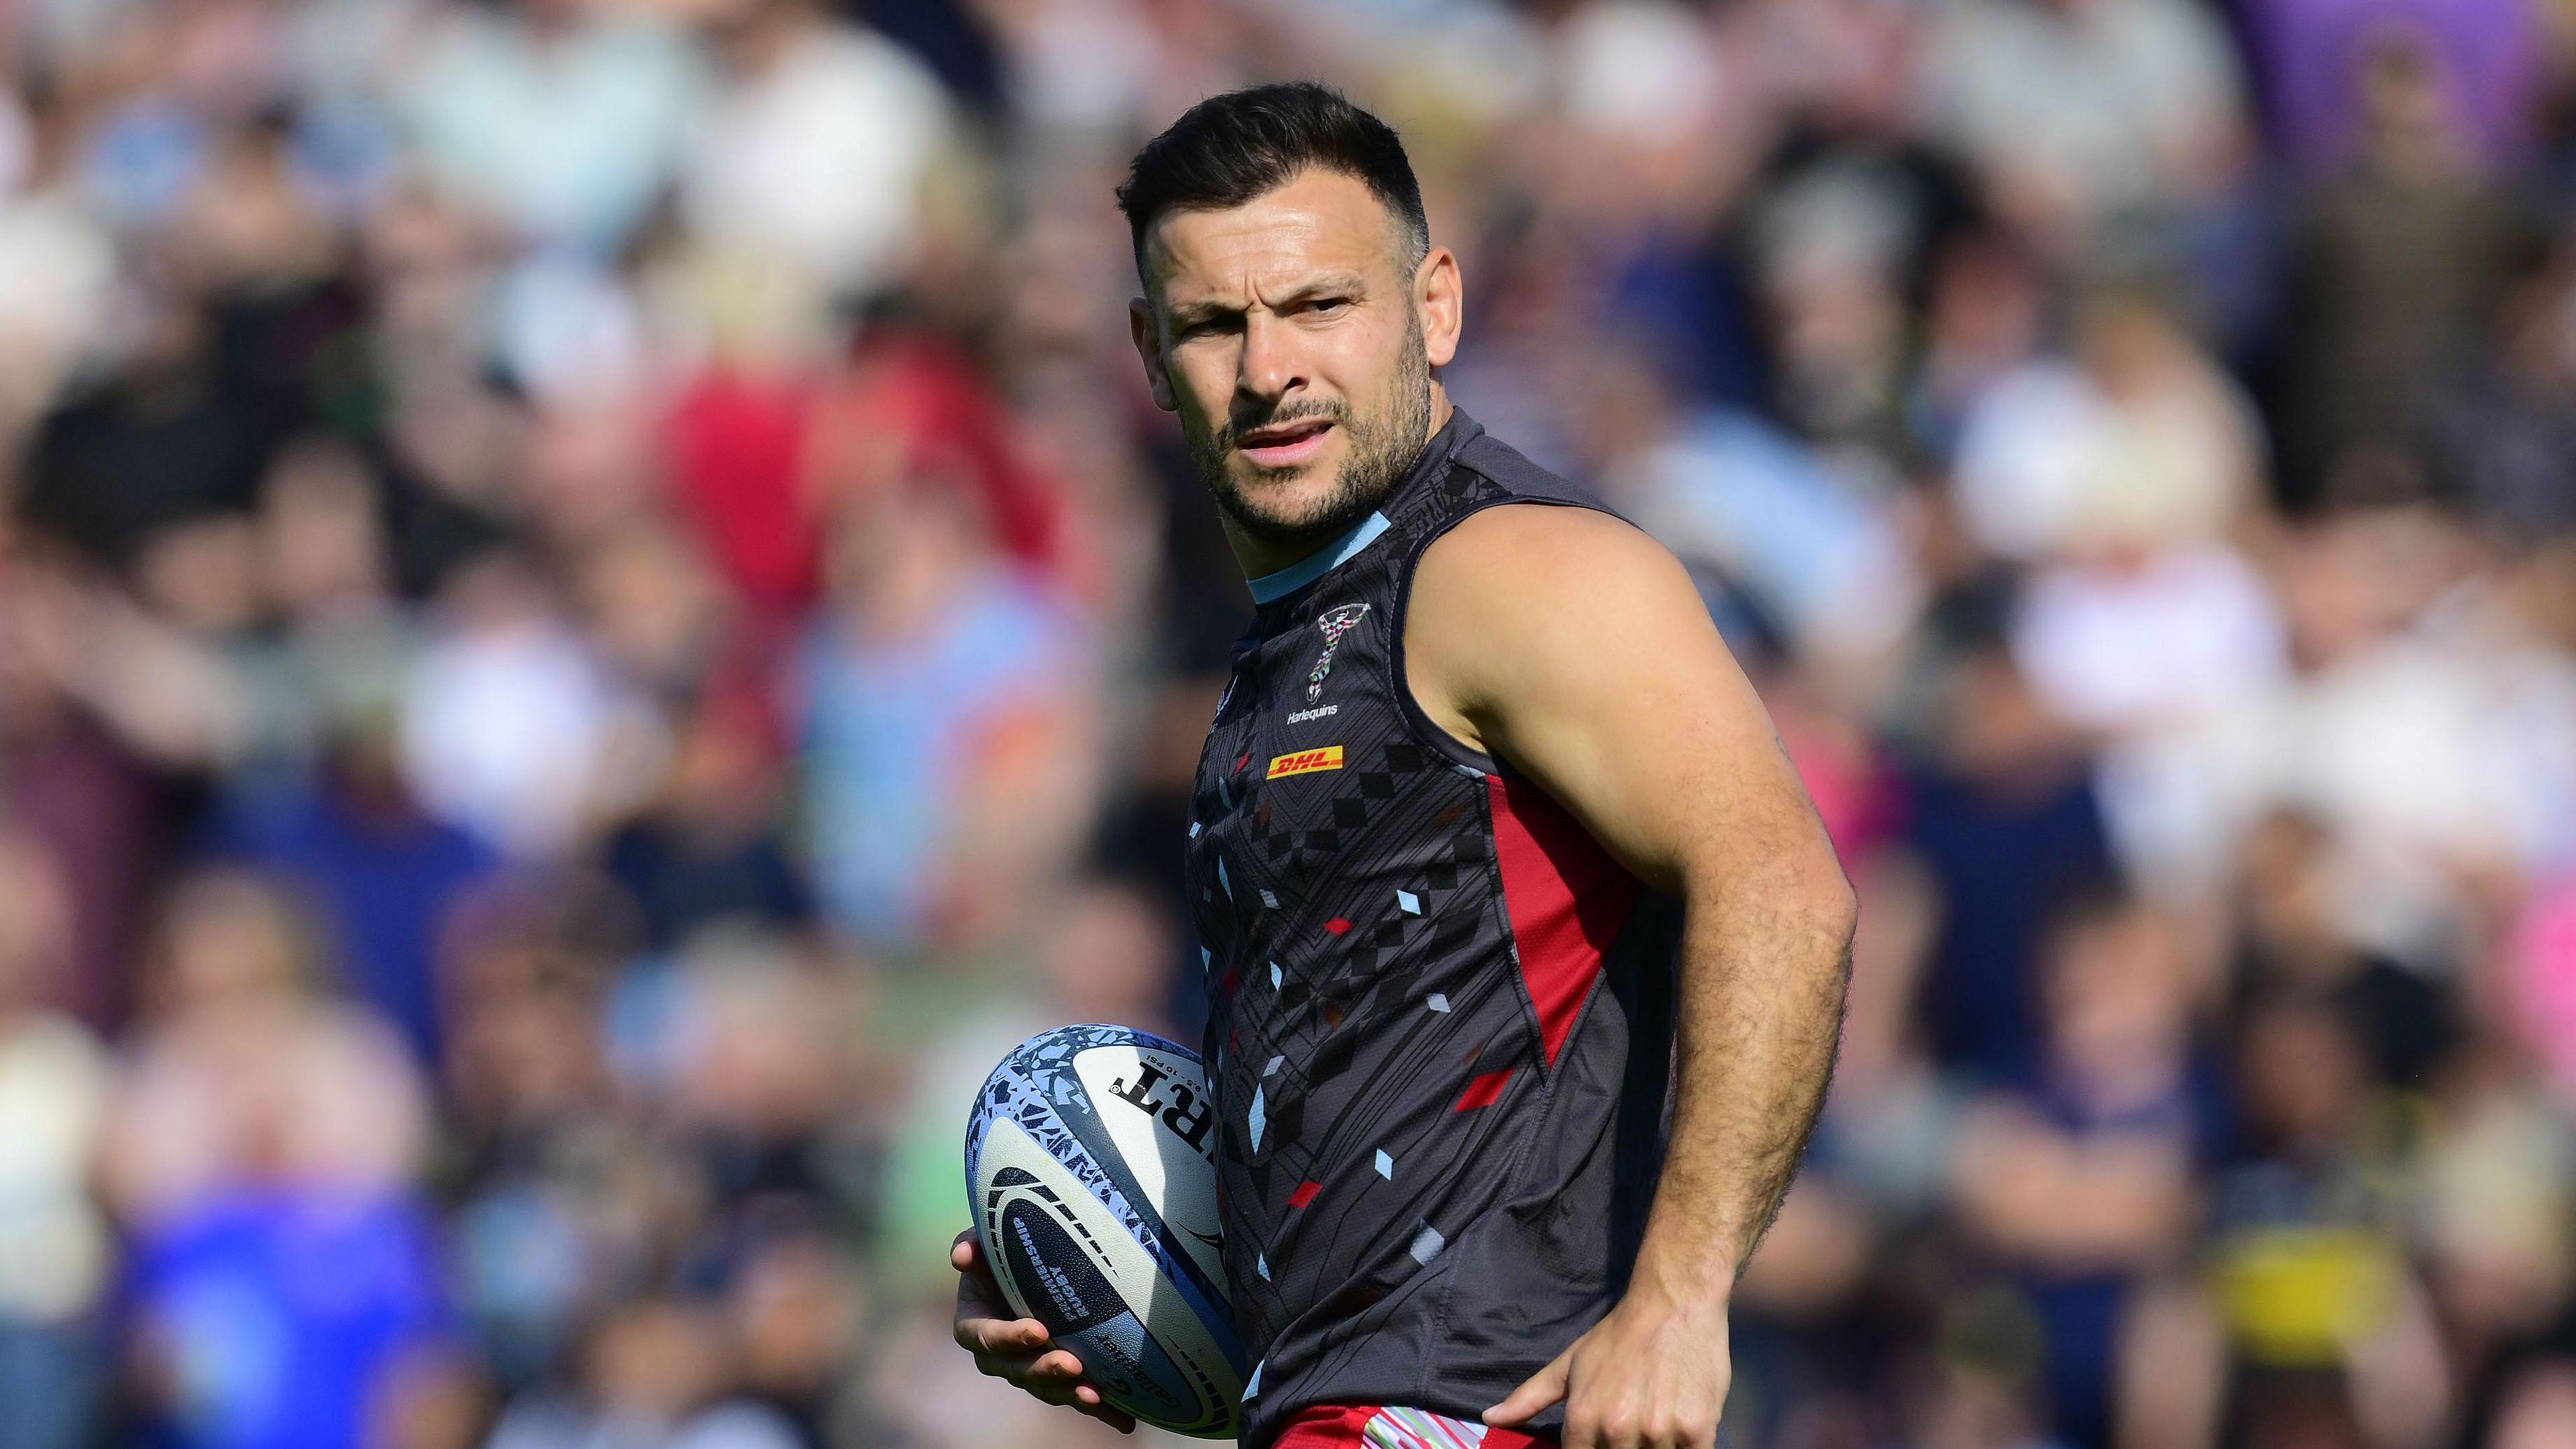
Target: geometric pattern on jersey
(1439, 1014)
(1340, 1426)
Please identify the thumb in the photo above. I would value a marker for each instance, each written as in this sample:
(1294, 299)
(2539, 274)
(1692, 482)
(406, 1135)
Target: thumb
(1541, 1389)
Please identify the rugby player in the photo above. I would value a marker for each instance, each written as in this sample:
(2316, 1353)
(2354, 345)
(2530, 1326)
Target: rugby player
(1525, 949)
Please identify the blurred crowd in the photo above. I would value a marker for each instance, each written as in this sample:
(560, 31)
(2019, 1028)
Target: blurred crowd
(595, 619)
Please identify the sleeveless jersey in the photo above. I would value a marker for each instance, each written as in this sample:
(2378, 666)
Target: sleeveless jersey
(1439, 1012)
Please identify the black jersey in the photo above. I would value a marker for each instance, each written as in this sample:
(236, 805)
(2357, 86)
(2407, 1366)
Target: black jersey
(1439, 1012)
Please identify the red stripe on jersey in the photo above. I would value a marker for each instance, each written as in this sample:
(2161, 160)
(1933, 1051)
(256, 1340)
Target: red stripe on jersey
(1482, 1091)
(1304, 1194)
(1566, 897)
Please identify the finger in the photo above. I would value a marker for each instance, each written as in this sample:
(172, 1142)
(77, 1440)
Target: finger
(968, 1259)
(1054, 1371)
(1058, 1364)
(965, 1253)
(979, 1334)
(1115, 1418)
(1536, 1392)
(1013, 1368)
(1083, 1396)
(1088, 1398)
(979, 1293)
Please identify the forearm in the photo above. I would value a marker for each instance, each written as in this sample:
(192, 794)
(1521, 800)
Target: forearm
(1759, 1011)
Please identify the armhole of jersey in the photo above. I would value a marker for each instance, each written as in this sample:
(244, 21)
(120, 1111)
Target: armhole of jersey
(1426, 730)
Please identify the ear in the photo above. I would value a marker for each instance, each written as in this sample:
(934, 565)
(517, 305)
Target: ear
(1439, 299)
(1149, 350)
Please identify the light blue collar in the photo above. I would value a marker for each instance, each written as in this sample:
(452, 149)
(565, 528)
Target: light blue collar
(1319, 563)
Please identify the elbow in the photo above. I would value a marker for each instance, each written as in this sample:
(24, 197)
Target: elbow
(1834, 909)
(1813, 903)
(1792, 893)
(1841, 916)
(1831, 903)
(1843, 909)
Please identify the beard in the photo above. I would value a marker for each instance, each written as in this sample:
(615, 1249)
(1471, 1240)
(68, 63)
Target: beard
(1382, 446)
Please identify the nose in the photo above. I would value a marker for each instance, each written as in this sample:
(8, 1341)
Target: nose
(1269, 369)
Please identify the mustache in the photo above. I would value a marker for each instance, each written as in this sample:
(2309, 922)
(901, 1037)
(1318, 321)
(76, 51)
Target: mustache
(1228, 435)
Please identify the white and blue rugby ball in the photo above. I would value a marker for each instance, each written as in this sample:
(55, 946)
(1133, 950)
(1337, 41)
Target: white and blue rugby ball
(1091, 1169)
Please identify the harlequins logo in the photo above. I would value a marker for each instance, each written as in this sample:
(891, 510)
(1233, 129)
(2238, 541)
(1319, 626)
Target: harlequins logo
(1334, 624)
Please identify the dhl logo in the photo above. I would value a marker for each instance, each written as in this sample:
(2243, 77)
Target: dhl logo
(1306, 762)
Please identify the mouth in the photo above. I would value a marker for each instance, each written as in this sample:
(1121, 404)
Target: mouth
(1284, 445)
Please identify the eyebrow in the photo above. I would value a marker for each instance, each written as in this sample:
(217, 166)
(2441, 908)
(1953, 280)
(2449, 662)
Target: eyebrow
(1185, 314)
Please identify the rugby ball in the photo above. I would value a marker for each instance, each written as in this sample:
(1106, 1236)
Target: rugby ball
(1091, 1174)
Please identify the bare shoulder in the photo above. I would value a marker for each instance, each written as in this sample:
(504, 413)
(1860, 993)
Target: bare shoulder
(1537, 544)
(1531, 573)
(1527, 599)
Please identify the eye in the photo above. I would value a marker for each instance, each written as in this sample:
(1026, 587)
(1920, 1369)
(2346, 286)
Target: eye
(1327, 306)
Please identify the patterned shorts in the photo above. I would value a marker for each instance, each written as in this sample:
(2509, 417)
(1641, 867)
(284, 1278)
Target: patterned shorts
(1362, 1426)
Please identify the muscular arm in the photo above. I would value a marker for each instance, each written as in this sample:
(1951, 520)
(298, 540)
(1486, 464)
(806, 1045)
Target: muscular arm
(1574, 648)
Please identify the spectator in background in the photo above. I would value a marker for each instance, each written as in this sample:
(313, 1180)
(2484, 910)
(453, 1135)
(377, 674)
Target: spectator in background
(2004, 818)
(511, 730)
(55, 1253)
(380, 875)
(332, 638)
(1732, 495)
(260, 1152)
(756, 1068)
(736, 437)
(2080, 1179)
(72, 783)
(645, 592)
(944, 719)
(817, 153)
(2310, 1274)
(2310, 50)
(652, 1378)
(557, 120)
(2085, 115)
(328, 808)
(1987, 315)
(149, 455)
(2396, 261)
(2134, 442)
(58, 265)
(2290, 938)
(556, 1191)
(2500, 437)
(709, 848)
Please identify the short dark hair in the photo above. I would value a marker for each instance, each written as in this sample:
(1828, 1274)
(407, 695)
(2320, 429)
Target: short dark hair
(1228, 149)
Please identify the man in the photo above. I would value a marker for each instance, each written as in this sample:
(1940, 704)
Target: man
(1487, 823)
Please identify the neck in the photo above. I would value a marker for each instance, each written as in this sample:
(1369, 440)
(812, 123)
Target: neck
(1259, 556)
